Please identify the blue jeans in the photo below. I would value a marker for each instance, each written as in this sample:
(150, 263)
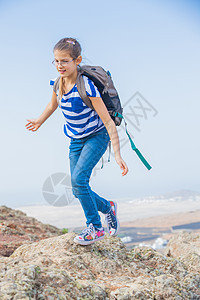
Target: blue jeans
(84, 154)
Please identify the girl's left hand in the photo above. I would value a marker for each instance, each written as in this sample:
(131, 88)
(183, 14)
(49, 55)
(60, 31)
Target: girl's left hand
(122, 165)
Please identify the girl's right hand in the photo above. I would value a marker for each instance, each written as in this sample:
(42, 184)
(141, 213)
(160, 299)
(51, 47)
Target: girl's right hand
(33, 124)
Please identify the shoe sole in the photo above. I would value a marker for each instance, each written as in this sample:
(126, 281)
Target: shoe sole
(85, 243)
(118, 224)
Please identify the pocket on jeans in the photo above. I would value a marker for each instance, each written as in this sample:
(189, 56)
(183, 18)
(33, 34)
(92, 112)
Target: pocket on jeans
(103, 132)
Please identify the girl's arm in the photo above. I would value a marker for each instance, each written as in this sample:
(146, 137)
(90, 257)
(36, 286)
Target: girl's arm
(34, 124)
(103, 113)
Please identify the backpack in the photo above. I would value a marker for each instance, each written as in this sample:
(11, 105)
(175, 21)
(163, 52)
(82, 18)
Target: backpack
(109, 94)
(105, 85)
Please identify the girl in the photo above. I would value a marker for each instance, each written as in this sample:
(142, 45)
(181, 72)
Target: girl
(90, 132)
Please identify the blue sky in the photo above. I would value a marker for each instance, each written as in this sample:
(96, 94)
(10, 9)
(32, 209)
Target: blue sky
(150, 47)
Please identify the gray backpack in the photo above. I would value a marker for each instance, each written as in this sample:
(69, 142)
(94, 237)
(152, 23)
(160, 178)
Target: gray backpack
(104, 83)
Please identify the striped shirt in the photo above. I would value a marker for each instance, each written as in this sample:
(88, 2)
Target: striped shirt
(80, 120)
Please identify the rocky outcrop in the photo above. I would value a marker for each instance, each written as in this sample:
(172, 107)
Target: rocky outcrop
(38, 262)
(57, 268)
(186, 247)
(16, 229)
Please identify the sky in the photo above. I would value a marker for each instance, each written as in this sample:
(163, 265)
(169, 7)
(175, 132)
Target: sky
(151, 49)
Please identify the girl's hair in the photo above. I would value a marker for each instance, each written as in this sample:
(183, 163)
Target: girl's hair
(71, 46)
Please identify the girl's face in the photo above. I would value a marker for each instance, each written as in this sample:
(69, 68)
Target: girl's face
(65, 64)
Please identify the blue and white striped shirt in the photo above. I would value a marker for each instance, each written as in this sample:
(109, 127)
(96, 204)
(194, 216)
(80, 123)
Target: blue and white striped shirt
(80, 120)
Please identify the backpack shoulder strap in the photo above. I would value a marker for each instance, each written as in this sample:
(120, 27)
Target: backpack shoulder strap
(82, 91)
(56, 85)
(56, 88)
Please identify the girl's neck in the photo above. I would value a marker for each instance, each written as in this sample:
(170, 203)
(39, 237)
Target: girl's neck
(71, 80)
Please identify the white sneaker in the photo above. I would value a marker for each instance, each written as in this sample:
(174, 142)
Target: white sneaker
(90, 235)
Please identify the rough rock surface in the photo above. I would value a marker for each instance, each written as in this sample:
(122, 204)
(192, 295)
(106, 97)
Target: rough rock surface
(186, 248)
(16, 229)
(57, 268)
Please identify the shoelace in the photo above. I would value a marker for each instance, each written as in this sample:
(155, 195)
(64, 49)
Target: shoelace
(89, 229)
(109, 218)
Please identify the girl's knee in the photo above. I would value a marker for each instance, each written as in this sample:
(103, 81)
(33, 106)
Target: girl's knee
(75, 180)
(78, 181)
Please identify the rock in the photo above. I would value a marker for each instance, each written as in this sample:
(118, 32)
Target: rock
(57, 268)
(185, 246)
(16, 229)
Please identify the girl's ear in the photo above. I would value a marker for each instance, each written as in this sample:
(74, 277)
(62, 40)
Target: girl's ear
(79, 60)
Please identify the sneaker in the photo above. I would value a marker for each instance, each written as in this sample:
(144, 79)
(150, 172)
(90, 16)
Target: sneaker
(90, 235)
(112, 220)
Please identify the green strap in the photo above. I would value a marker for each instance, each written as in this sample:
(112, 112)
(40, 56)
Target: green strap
(139, 154)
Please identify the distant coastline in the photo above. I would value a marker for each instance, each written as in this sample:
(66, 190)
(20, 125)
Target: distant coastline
(72, 216)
